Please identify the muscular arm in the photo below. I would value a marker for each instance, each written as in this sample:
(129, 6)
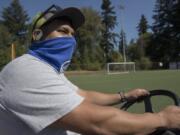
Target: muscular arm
(110, 99)
(91, 119)
(100, 98)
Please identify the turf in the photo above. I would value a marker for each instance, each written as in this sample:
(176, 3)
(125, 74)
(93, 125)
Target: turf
(150, 80)
(165, 79)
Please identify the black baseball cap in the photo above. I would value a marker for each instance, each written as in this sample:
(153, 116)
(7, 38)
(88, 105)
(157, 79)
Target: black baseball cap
(73, 14)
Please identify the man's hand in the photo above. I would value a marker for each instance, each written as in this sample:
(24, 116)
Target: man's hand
(136, 93)
(170, 117)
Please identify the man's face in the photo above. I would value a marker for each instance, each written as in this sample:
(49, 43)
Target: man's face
(58, 28)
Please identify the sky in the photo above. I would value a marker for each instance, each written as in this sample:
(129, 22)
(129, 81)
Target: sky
(130, 15)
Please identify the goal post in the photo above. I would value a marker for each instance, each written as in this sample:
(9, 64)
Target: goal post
(120, 67)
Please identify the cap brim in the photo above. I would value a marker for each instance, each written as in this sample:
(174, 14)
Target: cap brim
(73, 14)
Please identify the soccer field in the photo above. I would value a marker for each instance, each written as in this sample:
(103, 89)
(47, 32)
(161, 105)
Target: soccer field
(164, 79)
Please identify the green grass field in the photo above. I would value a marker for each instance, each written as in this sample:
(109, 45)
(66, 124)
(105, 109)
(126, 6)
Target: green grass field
(165, 79)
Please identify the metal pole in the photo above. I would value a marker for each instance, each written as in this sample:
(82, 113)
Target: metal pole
(124, 49)
(121, 7)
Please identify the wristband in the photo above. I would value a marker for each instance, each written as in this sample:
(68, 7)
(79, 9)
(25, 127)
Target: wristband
(122, 96)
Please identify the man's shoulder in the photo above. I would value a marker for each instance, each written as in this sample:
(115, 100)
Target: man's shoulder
(26, 60)
(27, 68)
(28, 71)
(27, 63)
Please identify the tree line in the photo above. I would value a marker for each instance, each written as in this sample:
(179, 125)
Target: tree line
(97, 41)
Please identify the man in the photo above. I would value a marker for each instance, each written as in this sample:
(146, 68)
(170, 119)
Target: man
(37, 99)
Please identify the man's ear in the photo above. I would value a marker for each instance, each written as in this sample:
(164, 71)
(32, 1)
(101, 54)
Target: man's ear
(37, 34)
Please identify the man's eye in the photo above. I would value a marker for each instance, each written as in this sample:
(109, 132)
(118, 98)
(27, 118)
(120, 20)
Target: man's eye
(65, 31)
(60, 30)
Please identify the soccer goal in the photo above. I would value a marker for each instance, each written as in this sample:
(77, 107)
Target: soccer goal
(120, 67)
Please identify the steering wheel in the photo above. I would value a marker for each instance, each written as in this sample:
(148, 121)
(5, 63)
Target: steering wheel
(148, 107)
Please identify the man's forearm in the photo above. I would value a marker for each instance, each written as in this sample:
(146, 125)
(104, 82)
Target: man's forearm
(118, 122)
(134, 124)
(100, 98)
(111, 99)
(91, 119)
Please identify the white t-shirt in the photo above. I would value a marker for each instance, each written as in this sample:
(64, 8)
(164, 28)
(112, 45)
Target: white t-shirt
(33, 96)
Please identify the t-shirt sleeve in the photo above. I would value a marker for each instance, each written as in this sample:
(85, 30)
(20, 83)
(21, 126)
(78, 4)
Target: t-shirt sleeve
(40, 97)
(69, 83)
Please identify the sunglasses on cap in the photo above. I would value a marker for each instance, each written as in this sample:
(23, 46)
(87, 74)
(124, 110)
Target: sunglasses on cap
(74, 15)
(46, 15)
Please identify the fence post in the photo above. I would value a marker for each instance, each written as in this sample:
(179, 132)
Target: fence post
(13, 51)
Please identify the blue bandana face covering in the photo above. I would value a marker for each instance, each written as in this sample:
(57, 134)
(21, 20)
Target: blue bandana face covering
(57, 51)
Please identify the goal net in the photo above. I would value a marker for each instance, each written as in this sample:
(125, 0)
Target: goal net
(120, 67)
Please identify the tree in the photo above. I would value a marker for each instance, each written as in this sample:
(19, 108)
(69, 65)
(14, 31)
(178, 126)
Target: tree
(89, 52)
(109, 22)
(166, 40)
(117, 57)
(15, 19)
(131, 50)
(5, 37)
(143, 43)
(138, 53)
(142, 26)
(142, 31)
